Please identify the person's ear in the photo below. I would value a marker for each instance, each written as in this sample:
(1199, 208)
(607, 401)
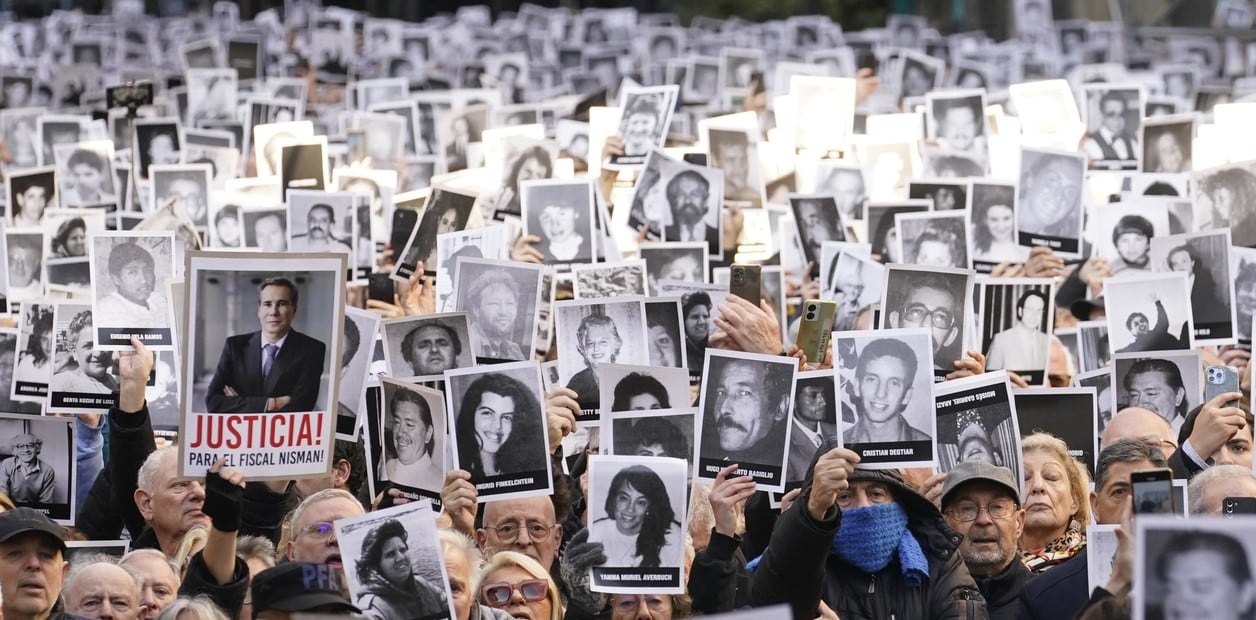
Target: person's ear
(144, 503)
(481, 538)
(1020, 522)
(340, 473)
(907, 396)
(1094, 502)
(1178, 396)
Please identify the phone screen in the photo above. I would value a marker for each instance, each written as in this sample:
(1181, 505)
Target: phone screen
(1153, 496)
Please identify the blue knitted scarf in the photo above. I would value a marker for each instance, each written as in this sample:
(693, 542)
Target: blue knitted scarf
(869, 537)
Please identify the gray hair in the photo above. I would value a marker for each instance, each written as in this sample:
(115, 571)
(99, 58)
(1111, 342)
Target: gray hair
(201, 607)
(256, 548)
(149, 553)
(83, 561)
(147, 477)
(1199, 484)
(1125, 451)
(453, 540)
(316, 498)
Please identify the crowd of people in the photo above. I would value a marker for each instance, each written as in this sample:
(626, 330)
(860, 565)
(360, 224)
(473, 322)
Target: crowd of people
(722, 463)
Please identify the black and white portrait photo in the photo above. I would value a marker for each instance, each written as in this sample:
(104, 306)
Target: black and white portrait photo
(355, 365)
(1168, 144)
(610, 279)
(933, 239)
(37, 467)
(303, 165)
(1113, 115)
(484, 242)
(189, 184)
(157, 141)
(745, 420)
(1105, 396)
(1049, 205)
(1066, 412)
(502, 299)
(521, 158)
(265, 229)
(676, 261)
(992, 211)
(854, 282)
(1225, 196)
(1122, 234)
(129, 293)
(702, 81)
(31, 194)
(19, 127)
(33, 368)
(946, 194)
(211, 95)
(1204, 258)
(426, 346)
(592, 332)
(267, 342)
(447, 211)
(682, 199)
(651, 432)
(737, 67)
(934, 298)
(413, 457)
(1164, 382)
(1243, 269)
(86, 175)
(1016, 320)
(818, 221)
(881, 219)
(1149, 312)
(919, 74)
(320, 221)
(884, 390)
(499, 429)
(8, 356)
(845, 183)
(560, 213)
(646, 115)
(736, 152)
(85, 379)
(957, 120)
(269, 140)
(977, 422)
(665, 332)
(1194, 568)
(54, 130)
(814, 422)
(24, 254)
(392, 561)
(637, 514)
(628, 387)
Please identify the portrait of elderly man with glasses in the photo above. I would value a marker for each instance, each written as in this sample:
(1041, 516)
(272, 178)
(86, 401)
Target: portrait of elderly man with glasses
(930, 299)
(25, 477)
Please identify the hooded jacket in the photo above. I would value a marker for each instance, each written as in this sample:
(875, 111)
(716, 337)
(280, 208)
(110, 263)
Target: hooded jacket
(798, 568)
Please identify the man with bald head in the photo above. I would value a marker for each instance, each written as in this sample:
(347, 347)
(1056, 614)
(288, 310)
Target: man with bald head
(527, 525)
(313, 537)
(1139, 423)
(97, 587)
(1208, 490)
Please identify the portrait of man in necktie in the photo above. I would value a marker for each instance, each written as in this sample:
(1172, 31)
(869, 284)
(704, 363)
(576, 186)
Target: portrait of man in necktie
(1112, 140)
(273, 369)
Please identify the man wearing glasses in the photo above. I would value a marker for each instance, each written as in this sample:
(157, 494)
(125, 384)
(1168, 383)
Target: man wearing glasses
(25, 477)
(526, 525)
(1110, 145)
(930, 302)
(981, 503)
(882, 388)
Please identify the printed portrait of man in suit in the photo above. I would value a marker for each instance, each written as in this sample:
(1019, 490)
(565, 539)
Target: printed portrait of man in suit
(273, 369)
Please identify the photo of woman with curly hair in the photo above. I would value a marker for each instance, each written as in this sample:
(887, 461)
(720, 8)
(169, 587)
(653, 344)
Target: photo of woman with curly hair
(499, 430)
(640, 528)
(388, 584)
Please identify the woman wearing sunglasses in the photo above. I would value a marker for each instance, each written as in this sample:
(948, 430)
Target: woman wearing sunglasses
(390, 587)
(516, 584)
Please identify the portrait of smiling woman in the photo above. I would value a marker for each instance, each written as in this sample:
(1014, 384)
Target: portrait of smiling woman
(640, 528)
(499, 428)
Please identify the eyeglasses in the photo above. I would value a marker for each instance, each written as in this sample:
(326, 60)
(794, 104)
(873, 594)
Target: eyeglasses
(498, 594)
(320, 531)
(940, 318)
(25, 446)
(968, 511)
(629, 604)
(537, 532)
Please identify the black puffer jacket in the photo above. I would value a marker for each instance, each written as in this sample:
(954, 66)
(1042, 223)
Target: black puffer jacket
(797, 567)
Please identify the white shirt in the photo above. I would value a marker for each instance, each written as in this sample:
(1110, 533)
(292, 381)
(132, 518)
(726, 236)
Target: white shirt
(118, 311)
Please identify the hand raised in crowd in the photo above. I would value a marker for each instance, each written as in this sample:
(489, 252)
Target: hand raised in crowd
(1018, 382)
(613, 147)
(524, 250)
(972, 364)
(458, 501)
(134, 369)
(1236, 357)
(415, 296)
(866, 83)
(1217, 424)
(574, 564)
(734, 221)
(932, 489)
(728, 499)
(1008, 270)
(224, 505)
(561, 410)
(789, 498)
(829, 479)
(1043, 263)
(1092, 273)
(741, 326)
